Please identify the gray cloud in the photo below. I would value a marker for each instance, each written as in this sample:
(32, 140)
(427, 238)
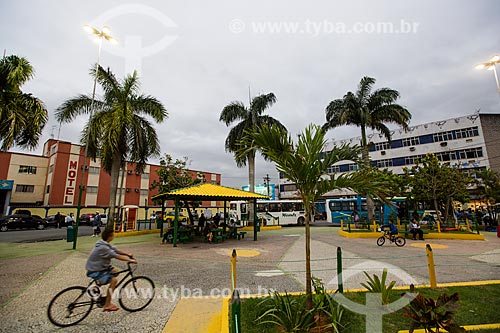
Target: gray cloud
(208, 66)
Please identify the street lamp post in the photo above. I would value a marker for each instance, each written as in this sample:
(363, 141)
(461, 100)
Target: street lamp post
(491, 66)
(99, 36)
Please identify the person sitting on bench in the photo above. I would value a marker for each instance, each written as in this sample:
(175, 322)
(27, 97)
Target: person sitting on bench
(415, 229)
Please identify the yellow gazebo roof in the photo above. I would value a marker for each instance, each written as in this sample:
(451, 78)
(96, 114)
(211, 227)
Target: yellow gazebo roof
(209, 192)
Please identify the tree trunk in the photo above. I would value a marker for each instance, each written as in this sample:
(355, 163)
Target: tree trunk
(251, 182)
(309, 303)
(370, 205)
(115, 171)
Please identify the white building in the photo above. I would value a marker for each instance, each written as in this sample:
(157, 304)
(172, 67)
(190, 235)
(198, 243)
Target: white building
(470, 142)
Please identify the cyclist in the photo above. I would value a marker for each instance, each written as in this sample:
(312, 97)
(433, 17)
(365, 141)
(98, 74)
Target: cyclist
(99, 265)
(393, 230)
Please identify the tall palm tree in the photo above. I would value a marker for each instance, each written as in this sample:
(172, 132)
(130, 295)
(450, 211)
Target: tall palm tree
(305, 164)
(22, 115)
(118, 131)
(249, 119)
(367, 109)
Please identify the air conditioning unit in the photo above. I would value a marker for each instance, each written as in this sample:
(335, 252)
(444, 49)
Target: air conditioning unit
(443, 144)
(129, 172)
(382, 152)
(137, 173)
(136, 190)
(85, 167)
(412, 148)
(128, 189)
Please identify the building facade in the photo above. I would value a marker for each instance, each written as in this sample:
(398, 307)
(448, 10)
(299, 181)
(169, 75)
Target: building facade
(50, 183)
(469, 142)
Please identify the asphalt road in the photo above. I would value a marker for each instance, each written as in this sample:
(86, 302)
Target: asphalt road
(48, 234)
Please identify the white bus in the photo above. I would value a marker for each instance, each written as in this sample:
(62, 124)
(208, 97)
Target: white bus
(273, 212)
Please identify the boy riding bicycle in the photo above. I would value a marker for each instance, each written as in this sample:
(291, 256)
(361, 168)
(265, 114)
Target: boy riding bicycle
(393, 230)
(99, 264)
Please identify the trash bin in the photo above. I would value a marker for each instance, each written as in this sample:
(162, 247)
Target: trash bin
(69, 234)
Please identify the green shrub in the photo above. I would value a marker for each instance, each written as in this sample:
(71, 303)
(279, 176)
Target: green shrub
(376, 285)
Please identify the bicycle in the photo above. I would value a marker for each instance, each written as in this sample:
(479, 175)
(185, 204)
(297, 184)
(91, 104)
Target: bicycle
(72, 305)
(400, 241)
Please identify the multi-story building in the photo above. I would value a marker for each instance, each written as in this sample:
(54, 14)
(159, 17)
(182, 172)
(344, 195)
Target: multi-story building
(469, 142)
(51, 182)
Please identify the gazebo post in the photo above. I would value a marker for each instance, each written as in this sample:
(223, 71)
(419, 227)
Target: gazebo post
(254, 219)
(176, 217)
(225, 213)
(161, 219)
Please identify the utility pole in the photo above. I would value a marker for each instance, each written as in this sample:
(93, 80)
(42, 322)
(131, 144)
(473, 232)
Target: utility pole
(266, 182)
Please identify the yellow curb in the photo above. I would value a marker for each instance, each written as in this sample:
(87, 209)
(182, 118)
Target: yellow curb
(433, 235)
(225, 315)
(195, 315)
(466, 327)
(434, 246)
(272, 227)
(136, 233)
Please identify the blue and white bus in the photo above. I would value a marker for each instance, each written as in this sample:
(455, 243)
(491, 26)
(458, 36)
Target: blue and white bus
(343, 209)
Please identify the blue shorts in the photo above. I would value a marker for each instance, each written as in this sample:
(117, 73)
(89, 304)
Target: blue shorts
(103, 277)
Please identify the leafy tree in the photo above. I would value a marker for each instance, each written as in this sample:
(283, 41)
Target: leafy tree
(432, 181)
(174, 175)
(305, 164)
(488, 185)
(22, 115)
(366, 109)
(118, 131)
(249, 119)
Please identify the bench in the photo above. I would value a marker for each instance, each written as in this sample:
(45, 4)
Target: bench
(241, 234)
(407, 232)
(218, 239)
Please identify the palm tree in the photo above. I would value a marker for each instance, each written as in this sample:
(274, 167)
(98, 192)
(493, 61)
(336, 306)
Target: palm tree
(306, 165)
(250, 118)
(367, 109)
(118, 131)
(22, 115)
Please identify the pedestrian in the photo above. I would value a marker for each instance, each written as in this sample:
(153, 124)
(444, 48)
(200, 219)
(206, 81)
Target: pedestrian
(59, 219)
(69, 220)
(97, 224)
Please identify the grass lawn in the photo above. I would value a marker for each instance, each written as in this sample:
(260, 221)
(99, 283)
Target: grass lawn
(84, 243)
(478, 305)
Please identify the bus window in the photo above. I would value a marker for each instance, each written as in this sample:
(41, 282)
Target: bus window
(274, 207)
(288, 206)
(243, 208)
(233, 206)
(299, 206)
(261, 207)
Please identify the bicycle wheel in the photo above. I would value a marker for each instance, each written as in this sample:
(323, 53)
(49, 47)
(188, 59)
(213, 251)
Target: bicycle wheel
(137, 293)
(70, 306)
(400, 241)
(381, 241)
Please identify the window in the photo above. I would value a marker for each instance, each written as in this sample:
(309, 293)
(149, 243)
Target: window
(92, 189)
(289, 187)
(467, 132)
(144, 192)
(353, 167)
(443, 136)
(28, 169)
(51, 168)
(25, 188)
(384, 163)
(48, 189)
(94, 170)
(145, 175)
(411, 141)
(333, 169)
(382, 146)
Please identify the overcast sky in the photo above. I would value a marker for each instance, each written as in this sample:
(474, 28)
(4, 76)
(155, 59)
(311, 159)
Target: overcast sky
(198, 56)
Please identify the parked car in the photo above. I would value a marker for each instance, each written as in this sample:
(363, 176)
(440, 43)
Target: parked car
(21, 221)
(88, 219)
(51, 221)
(170, 216)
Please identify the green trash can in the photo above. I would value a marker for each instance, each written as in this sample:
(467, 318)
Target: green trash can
(69, 234)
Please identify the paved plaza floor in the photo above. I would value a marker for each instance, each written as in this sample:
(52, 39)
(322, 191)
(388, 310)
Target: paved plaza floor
(274, 262)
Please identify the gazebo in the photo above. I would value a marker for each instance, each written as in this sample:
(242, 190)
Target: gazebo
(205, 192)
